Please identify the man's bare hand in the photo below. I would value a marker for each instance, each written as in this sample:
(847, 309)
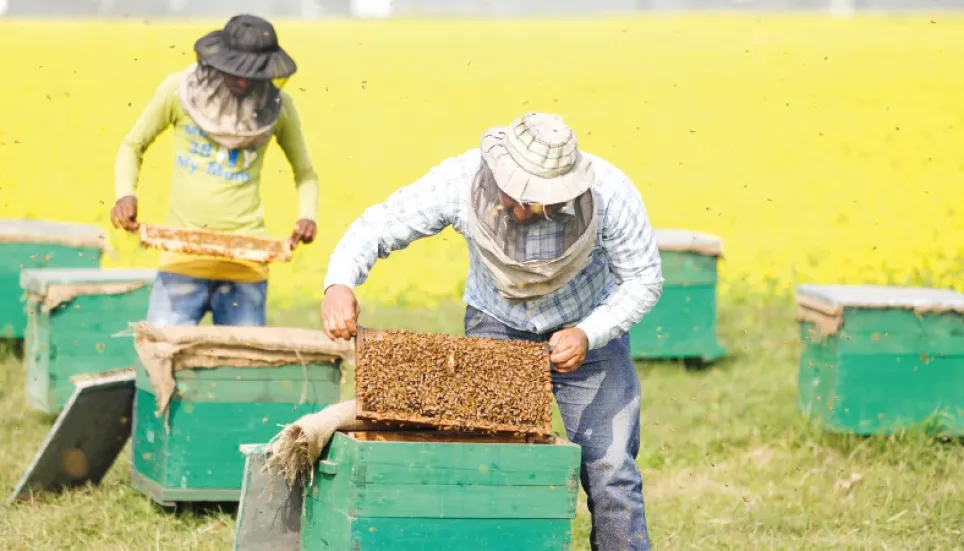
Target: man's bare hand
(305, 232)
(569, 347)
(339, 312)
(124, 213)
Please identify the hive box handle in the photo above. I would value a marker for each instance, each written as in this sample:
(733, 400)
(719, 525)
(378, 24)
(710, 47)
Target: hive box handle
(327, 467)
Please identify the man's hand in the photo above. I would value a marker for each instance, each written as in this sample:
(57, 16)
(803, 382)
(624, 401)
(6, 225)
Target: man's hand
(569, 347)
(339, 312)
(124, 213)
(304, 232)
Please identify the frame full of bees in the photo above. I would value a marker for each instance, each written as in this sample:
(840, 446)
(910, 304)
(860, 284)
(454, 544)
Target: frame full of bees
(211, 243)
(453, 383)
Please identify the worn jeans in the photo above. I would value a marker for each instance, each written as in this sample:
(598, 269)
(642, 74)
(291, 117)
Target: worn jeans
(600, 407)
(183, 300)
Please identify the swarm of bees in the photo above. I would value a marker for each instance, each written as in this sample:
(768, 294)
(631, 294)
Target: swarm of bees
(455, 383)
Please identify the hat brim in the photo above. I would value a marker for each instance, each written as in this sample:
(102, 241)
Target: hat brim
(212, 51)
(526, 187)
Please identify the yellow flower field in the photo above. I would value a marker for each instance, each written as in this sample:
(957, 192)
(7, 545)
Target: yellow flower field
(818, 149)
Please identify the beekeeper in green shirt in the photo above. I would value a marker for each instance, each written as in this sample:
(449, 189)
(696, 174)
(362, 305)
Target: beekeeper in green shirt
(224, 110)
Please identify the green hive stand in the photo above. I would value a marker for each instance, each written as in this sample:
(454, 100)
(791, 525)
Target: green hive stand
(212, 413)
(879, 359)
(414, 495)
(36, 244)
(683, 322)
(77, 336)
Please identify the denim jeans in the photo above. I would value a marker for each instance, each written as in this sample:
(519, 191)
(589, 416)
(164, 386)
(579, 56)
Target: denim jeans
(183, 300)
(600, 407)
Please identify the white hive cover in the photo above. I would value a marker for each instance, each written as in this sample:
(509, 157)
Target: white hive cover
(48, 229)
(38, 279)
(688, 240)
(881, 296)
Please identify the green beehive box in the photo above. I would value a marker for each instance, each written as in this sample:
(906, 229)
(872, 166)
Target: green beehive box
(72, 317)
(880, 359)
(226, 394)
(28, 244)
(683, 324)
(395, 491)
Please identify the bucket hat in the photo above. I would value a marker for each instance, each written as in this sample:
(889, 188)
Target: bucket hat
(536, 159)
(246, 47)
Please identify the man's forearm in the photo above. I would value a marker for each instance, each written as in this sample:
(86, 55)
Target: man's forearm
(621, 311)
(308, 200)
(126, 168)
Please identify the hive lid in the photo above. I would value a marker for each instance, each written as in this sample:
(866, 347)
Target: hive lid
(269, 511)
(38, 280)
(89, 434)
(42, 231)
(831, 299)
(688, 241)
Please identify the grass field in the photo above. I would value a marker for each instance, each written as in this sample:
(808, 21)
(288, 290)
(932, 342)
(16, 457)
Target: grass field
(819, 149)
(727, 462)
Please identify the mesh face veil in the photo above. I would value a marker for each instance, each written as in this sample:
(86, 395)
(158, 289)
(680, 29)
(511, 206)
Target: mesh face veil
(496, 221)
(502, 242)
(230, 120)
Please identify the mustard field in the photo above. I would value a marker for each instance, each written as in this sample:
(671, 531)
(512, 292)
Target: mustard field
(820, 150)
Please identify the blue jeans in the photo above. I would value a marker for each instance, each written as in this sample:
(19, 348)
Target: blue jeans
(183, 300)
(600, 406)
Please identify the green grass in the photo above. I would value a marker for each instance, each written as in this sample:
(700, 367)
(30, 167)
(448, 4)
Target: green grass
(728, 463)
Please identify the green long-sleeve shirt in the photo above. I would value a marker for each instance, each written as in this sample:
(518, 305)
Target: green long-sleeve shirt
(212, 187)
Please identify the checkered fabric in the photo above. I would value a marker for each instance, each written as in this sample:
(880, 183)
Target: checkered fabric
(620, 284)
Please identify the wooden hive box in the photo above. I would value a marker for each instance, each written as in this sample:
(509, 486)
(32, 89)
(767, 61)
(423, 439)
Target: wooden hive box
(232, 385)
(878, 359)
(683, 324)
(36, 244)
(73, 315)
(402, 491)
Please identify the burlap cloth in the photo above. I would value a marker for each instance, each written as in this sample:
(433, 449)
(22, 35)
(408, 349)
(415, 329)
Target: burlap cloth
(162, 351)
(60, 293)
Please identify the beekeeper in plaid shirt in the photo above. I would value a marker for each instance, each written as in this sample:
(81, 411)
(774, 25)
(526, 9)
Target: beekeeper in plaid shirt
(560, 250)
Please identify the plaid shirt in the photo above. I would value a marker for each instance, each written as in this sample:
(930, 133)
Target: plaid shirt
(620, 284)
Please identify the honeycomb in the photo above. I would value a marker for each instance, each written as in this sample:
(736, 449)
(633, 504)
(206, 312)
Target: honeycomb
(454, 383)
(211, 243)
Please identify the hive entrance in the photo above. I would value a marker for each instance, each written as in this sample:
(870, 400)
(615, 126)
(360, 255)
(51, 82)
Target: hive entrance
(453, 383)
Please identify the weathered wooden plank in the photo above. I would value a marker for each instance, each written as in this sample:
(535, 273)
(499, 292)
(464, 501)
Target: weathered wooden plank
(453, 501)
(888, 343)
(86, 438)
(269, 513)
(467, 464)
(328, 530)
(461, 480)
